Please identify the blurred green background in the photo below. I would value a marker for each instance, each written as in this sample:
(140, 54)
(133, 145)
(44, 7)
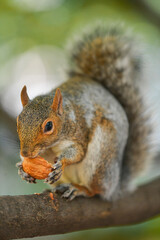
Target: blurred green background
(33, 34)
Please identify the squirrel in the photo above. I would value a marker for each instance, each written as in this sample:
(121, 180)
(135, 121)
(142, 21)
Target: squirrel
(93, 128)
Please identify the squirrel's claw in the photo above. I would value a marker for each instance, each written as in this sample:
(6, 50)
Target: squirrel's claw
(53, 177)
(25, 176)
(68, 191)
(57, 165)
(70, 194)
(55, 174)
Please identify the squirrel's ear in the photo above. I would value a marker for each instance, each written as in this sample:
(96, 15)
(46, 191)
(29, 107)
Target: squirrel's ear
(24, 96)
(58, 102)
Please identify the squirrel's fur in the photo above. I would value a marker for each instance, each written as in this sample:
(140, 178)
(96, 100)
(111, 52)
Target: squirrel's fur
(101, 138)
(113, 59)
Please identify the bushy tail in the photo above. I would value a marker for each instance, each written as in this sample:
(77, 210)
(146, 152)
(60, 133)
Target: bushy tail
(110, 57)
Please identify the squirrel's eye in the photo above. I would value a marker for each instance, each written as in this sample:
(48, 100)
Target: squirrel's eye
(48, 126)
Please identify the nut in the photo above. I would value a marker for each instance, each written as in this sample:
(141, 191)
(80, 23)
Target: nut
(37, 167)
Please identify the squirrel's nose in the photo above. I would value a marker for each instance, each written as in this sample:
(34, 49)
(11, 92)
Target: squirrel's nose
(29, 154)
(24, 153)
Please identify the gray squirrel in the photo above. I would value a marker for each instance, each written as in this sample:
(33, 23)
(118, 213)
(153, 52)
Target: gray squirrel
(92, 128)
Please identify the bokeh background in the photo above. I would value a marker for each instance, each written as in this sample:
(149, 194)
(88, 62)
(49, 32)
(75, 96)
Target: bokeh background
(33, 36)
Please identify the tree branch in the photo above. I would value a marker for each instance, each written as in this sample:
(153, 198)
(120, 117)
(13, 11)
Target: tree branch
(39, 215)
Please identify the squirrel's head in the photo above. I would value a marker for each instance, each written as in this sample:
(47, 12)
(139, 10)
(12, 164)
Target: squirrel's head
(40, 122)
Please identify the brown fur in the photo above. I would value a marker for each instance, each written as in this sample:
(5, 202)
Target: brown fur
(111, 58)
(57, 105)
(84, 190)
(24, 96)
(107, 154)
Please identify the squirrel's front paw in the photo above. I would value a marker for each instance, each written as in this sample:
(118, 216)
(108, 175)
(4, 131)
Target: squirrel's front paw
(24, 175)
(55, 174)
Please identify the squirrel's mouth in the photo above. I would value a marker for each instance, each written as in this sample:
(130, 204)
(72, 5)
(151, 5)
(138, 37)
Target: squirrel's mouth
(22, 156)
(45, 152)
(49, 155)
(30, 154)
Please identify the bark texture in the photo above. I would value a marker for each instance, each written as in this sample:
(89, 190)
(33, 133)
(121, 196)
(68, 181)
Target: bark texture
(47, 214)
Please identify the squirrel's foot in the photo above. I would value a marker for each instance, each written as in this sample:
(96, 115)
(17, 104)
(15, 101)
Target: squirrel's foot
(24, 175)
(55, 174)
(69, 191)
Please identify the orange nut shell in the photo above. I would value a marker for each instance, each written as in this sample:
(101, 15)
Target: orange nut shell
(37, 167)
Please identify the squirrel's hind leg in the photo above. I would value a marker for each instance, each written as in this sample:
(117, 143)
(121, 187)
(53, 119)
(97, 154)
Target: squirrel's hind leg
(100, 169)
